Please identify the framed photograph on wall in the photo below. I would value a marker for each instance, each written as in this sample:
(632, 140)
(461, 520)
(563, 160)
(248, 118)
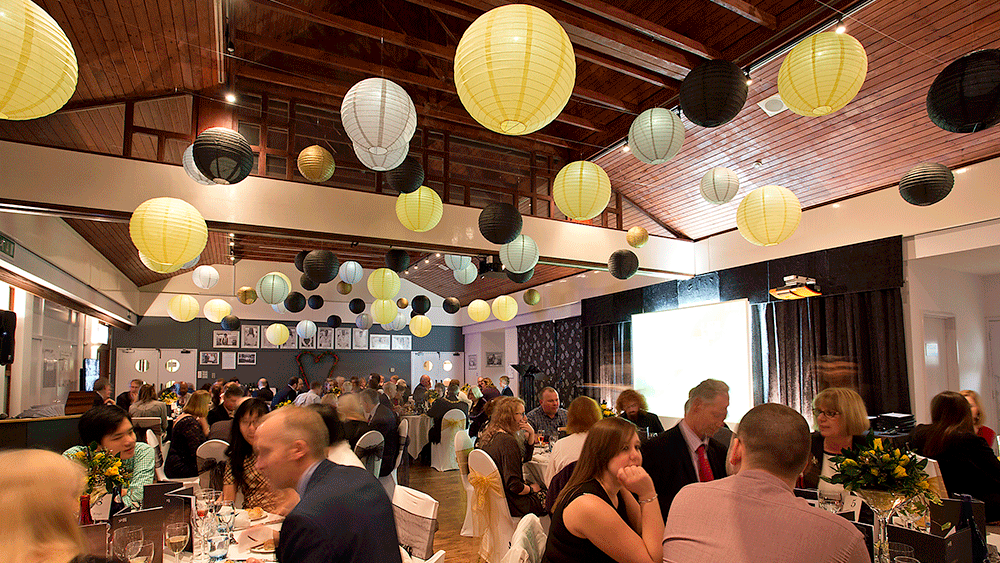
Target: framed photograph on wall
(208, 358)
(342, 338)
(307, 343)
(401, 341)
(246, 359)
(360, 339)
(250, 336)
(293, 340)
(473, 361)
(225, 339)
(379, 341)
(494, 359)
(324, 337)
(264, 342)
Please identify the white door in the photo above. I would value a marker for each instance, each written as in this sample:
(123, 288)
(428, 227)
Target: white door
(453, 365)
(940, 354)
(425, 363)
(136, 363)
(990, 392)
(177, 365)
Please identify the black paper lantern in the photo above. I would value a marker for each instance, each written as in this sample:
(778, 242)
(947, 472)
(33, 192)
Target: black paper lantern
(414, 314)
(421, 304)
(222, 155)
(333, 321)
(307, 283)
(451, 305)
(230, 322)
(397, 260)
(965, 97)
(315, 301)
(520, 278)
(926, 184)
(713, 93)
(295, 302)
(357, 305)
(321, 265)
(299, 258)
(402, 303)
(407, 177)
(623, 264)
(500, 223)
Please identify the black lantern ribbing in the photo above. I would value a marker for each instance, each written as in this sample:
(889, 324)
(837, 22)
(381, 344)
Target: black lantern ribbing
(421, 304)
(321, 265)
(407, 177)
(713, 93)
(451, 305)
(307, 283)
(333, 321)
(230, 322)
(926, 184)
(965, 97)
(295, 302)
(520, 278)
(623, 264)
(222, 155)
(500, 223)
(357, 305)
(315, 301)
(299, 258)
(397, 260)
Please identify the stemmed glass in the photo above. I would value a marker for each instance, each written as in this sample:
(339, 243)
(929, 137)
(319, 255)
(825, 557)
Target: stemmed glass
(206, 523)
(140, 552)
(831, 501)
(122, 538)
(175, 537)
(227, 516)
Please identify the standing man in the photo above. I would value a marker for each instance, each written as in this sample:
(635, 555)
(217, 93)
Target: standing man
(505, 382)
(687, 453)
(548, 417)
(126, 399)
(344, 514)
(310, 397)
(384, 420)
(287, 394)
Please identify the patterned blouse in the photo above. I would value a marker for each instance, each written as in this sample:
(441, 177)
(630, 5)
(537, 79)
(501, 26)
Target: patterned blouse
(256, 490)
(140, 465)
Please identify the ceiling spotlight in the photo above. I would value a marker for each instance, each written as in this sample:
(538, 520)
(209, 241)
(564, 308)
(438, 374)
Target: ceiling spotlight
(841, 28)
(230, 47)
(231, 98)
(428, 261)
(438, 255)
(231, 235)
(231, 243)
(747, 74)
(625, 148)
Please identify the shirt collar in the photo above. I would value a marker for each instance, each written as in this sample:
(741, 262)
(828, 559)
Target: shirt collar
(304, 480)
(692, 439)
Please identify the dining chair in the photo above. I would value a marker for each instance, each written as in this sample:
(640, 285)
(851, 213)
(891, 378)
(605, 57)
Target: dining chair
(415, 513)
(463, 446)
(369, 450)
(389, 481)
(443, 453)
(528, 542)
(491, 515)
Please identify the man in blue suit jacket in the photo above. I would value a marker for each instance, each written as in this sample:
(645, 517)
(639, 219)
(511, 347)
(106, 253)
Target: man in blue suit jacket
(287, 394)
(344, 514)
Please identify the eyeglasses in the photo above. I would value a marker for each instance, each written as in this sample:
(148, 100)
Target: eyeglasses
(828, 414)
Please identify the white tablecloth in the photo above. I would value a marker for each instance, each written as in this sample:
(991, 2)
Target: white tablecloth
(534, 470)
(419, 433)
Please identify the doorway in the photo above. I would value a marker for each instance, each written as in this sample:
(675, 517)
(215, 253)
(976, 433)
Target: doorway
(940, 354)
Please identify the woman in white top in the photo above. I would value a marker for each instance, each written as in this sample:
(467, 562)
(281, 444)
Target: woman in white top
(841, 421)
(583, 413)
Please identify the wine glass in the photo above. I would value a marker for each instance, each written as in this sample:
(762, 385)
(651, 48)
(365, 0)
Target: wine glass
(227, 515)
(831, 501)
(218, 546)
(139, 552)
(122, 538)
(175, 537)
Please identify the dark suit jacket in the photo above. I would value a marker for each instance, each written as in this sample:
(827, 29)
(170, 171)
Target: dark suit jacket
(286, 394)
(124, 401)
(419, 394)
(385, 421)
(667, 460)
(506, 391)
(344, 516)
(218, 414)
(264, 394)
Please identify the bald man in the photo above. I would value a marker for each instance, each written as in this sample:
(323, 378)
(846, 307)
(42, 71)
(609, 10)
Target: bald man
(344, 514)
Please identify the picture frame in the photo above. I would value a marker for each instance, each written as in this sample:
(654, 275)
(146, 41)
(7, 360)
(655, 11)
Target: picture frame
(473, 361)
(494, 359)
(401, 342)
(225, 339)
(293, 340)
(324, 337)
(246, 358)
(342, 338)
(208, 358)
(250, 336)
(307, 343)
(265, 343)
(360, 339)
(380, 342)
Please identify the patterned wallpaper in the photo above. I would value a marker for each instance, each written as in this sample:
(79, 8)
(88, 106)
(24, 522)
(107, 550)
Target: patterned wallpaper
(556, 348)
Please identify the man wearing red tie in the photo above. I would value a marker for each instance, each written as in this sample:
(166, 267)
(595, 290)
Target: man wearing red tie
(687, 453)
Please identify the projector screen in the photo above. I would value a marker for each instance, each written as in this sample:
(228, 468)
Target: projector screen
(672, 351)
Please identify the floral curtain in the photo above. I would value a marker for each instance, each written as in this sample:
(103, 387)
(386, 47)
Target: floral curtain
(556, 349)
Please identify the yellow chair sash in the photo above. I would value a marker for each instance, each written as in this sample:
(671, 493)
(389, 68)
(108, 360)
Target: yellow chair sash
(483, 512)
(456, 424)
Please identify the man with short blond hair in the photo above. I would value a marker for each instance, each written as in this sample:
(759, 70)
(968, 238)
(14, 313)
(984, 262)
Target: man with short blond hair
(548, 417)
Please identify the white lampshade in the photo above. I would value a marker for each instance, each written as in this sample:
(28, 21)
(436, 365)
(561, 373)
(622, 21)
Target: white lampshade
(192, 169)
(419, 211)
(768, 215)
(279, 308)
(217, 309)
(378, 115)
(420, 326)
(456, 262)
(581, 190)
(364, 321)
(182, 308)
(381, 162)
(479, 310)
(277, 334)
(656, 136)
(399, 323)
(156, 266)
(383, 283)
(505, 307)
(273, 287)
(205, 277)
(466, 275)
(719, 185)
(305, 329)
(520, 254)
(168, 230)
(384, 311)
(351, 272)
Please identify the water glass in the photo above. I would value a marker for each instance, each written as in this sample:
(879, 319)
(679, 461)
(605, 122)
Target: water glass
(140, 552)
(122, 538)
(218, 547)
(897, 549)
(831, 501)
(227, 515)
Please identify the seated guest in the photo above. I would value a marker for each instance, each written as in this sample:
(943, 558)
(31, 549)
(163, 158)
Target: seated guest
(447, 402)
(968, 465)
(404, 391)
(183, 394)
(111, 429)
(263, 391)
(440, 388)
(753, 516)
(147, 405)
(389, 395)
(357, 383)
(499, 439)
(548, 417)
(353, 416)
(312, 396)
(382, 419)
(344, 513)
(232, 394)
(102, 387)
(216, 391)
(347, 388)
(596, 516)
(375, 381)
(631, 406)
(241, 473)
(841, 422)
(505, 386)
(339, 451)
(329, 399)
(126, 399)
(489, 390)
(979, 418)
(287, 394)
(190, 431)
(421, 390)
(583, 413)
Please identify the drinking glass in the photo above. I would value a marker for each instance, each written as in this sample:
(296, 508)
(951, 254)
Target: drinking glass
(175, 536)
(897, 549)
(227, 515)
(831, 501)
(905, 559)
(121, 538)
(140, 552)
(218, 547)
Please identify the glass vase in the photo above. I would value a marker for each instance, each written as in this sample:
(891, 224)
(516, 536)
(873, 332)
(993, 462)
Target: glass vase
(85, 517)
(883, 504)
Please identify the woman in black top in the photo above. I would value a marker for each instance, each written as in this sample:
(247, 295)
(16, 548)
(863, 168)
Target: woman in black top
(597, 517)
(631, 406)
(499, 439)
(190, 431)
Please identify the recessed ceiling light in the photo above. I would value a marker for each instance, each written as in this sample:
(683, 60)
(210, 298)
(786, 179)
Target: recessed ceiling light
(231, 98)
(626, 148)
(836, 206)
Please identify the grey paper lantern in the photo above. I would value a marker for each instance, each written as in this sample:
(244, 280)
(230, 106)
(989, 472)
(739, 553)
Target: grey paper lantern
(222, 155)
(334, 321)
(623, 264)
(713, 93)
(520, 278)
(307, 283)
(451, 305)
(192, 170)
(364, 321)
(295, 302)
(321, 265)
(299, 259)
(466, 275)
(357, 305)
(500, 223)
(656, 136)
(456, 262)
(965, 97)
(926, 184)
(397, 260)
(407, 177)
(520, 254)
(230, 322)
(399, 323)
(315, 301)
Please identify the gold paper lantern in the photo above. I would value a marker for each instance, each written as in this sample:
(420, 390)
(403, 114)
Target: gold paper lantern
(419, 211)
(515, 69)
(420, 326)
(156, 266)
(247, 295)
(168, 230)
(581, 190)
(316, 164)
(768, 215)
(384, 311)
(637, 237)
(532, 297)
(344, 288)
(277, 334)
(182, 308)
(504, 308)
(217, 309)
(38, 68)
(479, 310)
(822, 74)
(383, 283)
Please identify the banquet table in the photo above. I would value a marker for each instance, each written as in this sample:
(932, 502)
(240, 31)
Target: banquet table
(246, 536)
(534, 469)
(419, 433)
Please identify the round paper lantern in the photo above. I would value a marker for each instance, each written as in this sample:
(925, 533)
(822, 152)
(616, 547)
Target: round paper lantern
(402, 303)
(399, 323)
(156, 266)
(421, 304)
(356, 305)
(623, 264)
(316, 164)
(191, 263)
(413, 314)
(321, 265)
(713, 93)
(383, 283)
(397, 260)
(581, 190)
(926, 184)
(279, 308)
(420, 326)
(247, 295)
(768, 215)
(522, 277)
(381, 162)
(351, 272)
(231, 322)
(637, 237)
(419, 211)
(273, 288)
(192, 170)
(656, 136)
(295, 302)
(334, 321)
(456, 262)
(965, 97)
(468, 275)
(344, 288)
(520, 254)
(378, 115)
(182, 308)
(504, 308)
(363, 321)
(300, 258)
(38, 71)
(822, 73)
(307, 283)
(223, 155)
(479, 310)
(286, 278)
(514, 69)
(719, 185)
(451, 305)
(205, 277)
(406, 177)
(315, 301)
(532, 297)
(277, 334)
(384, 311)
(305, 329)
(168, 230)
(217, 309)
(500, 223)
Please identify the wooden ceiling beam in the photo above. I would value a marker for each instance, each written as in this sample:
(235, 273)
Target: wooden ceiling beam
(750, 12)
(654, 218)
(617, 65)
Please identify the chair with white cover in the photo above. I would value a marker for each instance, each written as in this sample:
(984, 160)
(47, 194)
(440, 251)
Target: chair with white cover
(415, 513)
(407, 558)
(214, 450)
(443, 453)
(528, 542)
(463, 446)
(491, 517)
(147, 422)
(369, 451)
(389, 481)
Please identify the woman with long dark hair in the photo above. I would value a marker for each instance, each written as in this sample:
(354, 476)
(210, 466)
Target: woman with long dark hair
(241, 472)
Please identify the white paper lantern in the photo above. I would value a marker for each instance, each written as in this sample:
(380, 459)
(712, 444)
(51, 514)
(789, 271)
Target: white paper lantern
(182, 308)
(364, 321)
(504, 307)
(520, 254)
(456, 262)
(467, 275)
(279, 308)
(305, 329)
(217, 309)
(719, 185)
(656, 136)
(351, 272)
(378, 115)
(384, 311)
(399, 323)
(277, 334)
(156, 266)
(192, 262)
(273, 287)
(382, 162)
(192, 169)
(205, 277)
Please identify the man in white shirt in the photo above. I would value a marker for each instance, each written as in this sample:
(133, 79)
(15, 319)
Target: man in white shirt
(312, 396)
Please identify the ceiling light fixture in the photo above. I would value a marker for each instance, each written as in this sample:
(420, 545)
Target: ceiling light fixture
(625, 148)
(746, 73)
(231, 98)
(841, 28)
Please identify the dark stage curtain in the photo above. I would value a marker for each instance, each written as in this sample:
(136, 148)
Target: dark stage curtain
(609, 361)
(556, 349)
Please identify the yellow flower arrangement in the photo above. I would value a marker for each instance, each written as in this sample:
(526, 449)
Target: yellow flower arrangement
(104, 471)
(606, 410)
(285, 403)
(871, 467)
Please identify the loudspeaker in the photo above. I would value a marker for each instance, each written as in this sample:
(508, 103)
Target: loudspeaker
(8, 322)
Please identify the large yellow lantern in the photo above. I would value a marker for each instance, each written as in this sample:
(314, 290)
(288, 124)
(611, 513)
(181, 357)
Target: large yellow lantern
(420, 326)
(182, 308)
(383, 283)
(768, 215)
(168, 230)
(515, 69)
(822, 74)
(504, 307)
(419, 211)
(277, 334)
(316, 164)
(479, 310)
(581, 190)
(384, 311)
(217, 309)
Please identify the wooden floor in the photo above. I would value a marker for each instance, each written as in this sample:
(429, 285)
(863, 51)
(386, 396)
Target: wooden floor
(446, 488)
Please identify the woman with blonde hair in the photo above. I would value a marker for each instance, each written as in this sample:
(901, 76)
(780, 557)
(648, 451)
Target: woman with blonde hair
(841, 422)
(979, 417)
(631, 405)
(500, 440)
(583, 413)
(190, 431)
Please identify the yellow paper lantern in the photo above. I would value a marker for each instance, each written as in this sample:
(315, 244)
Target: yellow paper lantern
(168, 230)
(581, 190)
(384, 311)
(217, 309)
(419, 211)
(479, 310)
(38, 69)
(532, 297)
(822, 74)
(504, 308)
(277, 334)
(157, 267)
(420, 326)
(383, 283)
(637, 237)
(316, 164)
(182, 308)
(247, 295)
(515, 69)
(768, 215)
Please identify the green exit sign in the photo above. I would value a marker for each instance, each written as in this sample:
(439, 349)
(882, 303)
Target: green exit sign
(6, 245)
